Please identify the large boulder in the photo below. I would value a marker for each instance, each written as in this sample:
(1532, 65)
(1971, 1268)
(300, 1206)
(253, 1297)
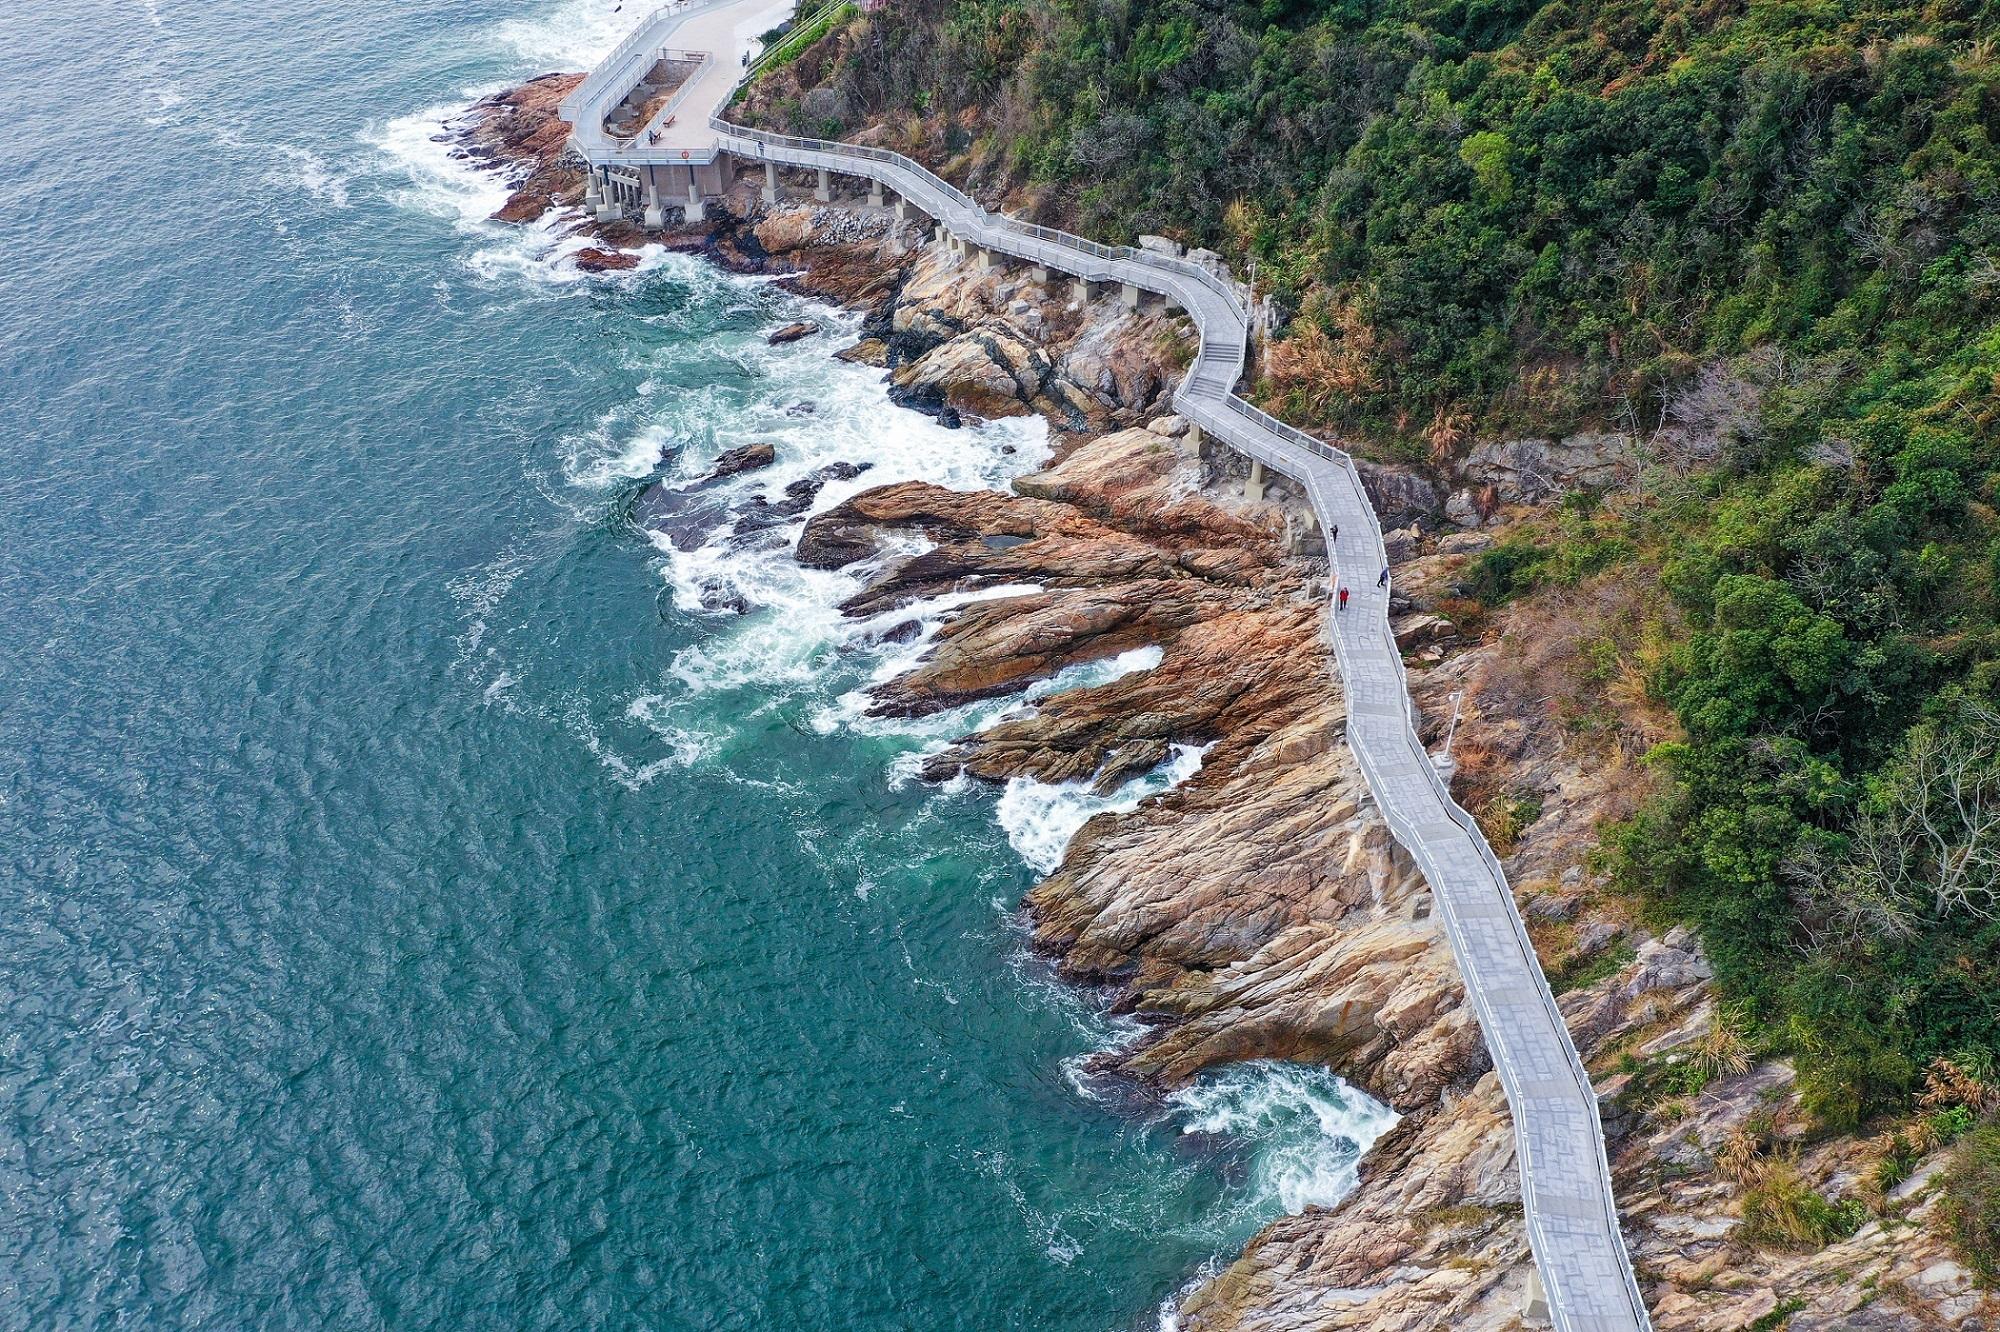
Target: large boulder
(747, 458)
(1529, 471)
(1402, 496)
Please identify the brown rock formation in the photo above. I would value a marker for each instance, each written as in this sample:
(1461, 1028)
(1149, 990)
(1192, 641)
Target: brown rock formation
(595, 260)
(520, 131)
(1260, 910)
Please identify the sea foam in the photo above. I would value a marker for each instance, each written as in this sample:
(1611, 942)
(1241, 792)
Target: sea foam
(1040, 817)
(1307, 1127)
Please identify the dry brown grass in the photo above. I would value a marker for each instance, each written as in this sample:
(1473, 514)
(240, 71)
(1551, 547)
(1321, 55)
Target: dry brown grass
(1740, 1154)
(1722, 1051)
(1947, 1084)
(1448, 430)
(1315, 373)
(1581, 655)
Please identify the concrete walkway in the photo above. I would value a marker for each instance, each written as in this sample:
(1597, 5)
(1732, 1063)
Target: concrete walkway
(1571, 1216)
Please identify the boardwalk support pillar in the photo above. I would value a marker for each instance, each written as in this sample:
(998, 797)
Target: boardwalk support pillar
(824, 190)
(1253, 489)
(874, 194)
(696, 210)
(770, 182)
(1040, 274)
(656, 212)
(905, 210)
(1130, 295)
(983, 260)
(1534, 1303)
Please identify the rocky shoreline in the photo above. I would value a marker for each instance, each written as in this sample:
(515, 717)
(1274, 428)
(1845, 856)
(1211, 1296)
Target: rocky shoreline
(1261, 910)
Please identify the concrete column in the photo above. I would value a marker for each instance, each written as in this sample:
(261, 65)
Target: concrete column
(1040, 273)
(1534, 1303)
(656, 213)
(770, 182)
(1131, 295)
(696, 210)
(905, 210)
(1253, 489)
(824, 192)
(985, 260)
(874, 194)
(1079, 290)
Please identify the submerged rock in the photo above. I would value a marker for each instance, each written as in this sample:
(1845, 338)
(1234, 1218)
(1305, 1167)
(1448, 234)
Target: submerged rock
(595, 260)
(747, 458)
(792, 333)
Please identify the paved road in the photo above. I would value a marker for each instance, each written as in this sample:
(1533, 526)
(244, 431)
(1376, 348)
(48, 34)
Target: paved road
(1565, 1181)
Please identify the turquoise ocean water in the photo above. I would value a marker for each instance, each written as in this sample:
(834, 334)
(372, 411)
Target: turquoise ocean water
(426, 901)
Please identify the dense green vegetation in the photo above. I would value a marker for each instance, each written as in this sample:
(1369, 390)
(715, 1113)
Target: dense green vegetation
(1531, 211)
(1770, 225)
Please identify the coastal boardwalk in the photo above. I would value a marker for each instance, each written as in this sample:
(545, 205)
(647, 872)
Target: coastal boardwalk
(1572, 1220)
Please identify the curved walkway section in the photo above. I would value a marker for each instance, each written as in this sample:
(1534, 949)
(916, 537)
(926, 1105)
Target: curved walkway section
(1571, 1216)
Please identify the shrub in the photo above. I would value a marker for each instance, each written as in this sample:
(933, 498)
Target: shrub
(1898, 1163)
(1781, 1211)
(1970, 1209)
(1723, 1051)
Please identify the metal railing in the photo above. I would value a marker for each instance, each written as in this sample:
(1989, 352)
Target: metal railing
(782, 46)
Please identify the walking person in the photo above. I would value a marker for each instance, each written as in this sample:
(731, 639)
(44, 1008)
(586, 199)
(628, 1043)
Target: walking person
(1333, 537)
(1383, 581)
(1343, 596)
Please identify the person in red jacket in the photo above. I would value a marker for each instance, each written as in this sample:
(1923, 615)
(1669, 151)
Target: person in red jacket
(1343, 596)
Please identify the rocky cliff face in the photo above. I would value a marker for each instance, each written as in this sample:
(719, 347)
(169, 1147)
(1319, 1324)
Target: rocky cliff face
(1261, 910)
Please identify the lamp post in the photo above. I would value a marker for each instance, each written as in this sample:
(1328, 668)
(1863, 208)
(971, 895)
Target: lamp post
(1457, 698)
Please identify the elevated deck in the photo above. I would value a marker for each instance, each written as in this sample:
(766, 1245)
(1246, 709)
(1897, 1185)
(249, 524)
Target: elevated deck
(1571, 1215)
